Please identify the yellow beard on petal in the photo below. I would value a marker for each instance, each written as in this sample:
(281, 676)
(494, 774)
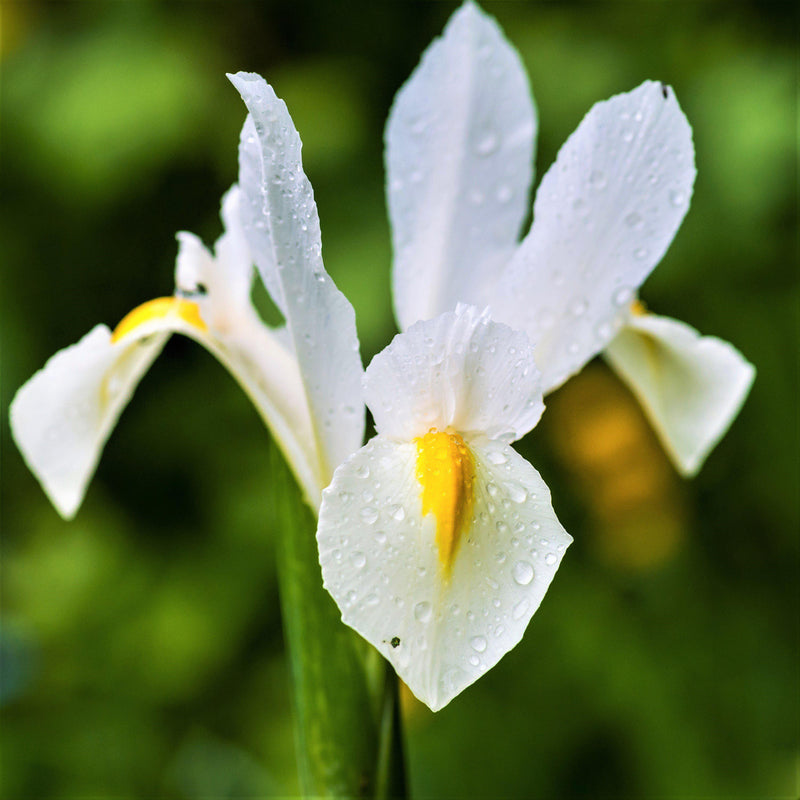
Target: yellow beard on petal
(159, 308)
(638, 308)
(446, 472)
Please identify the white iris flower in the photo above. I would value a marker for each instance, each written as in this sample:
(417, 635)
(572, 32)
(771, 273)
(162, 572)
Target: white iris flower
(304, 379)
(459, 150)
(437, 540)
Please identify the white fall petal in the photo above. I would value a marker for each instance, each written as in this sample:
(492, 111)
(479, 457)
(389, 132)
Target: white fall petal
(437, 540)
(603, 217)
(62, 417)
(691, 386)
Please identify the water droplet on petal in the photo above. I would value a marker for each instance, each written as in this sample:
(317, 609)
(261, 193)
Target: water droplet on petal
(369, 515)
(598, 179)
(487, 144)
(363, 471)
(371, 599)
(623, 296)
(397, 512)
(523, 573)
(550, 559)
(497, 457)
(474, 660)
(677, 198)
(578, 307)
(358, 559)
(634, 220)
(423, 611)
(504, 193)
(520, 609)
(478, 644)
(518, 493)
(640, 253)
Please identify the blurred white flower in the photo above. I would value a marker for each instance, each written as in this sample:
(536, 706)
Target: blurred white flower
(459, 151)
(304, 379)
(437, 540)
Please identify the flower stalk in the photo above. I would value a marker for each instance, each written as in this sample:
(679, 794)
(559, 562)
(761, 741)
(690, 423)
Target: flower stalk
(348, 742)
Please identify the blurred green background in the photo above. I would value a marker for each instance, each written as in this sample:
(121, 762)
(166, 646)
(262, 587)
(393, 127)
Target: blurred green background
(142, 653)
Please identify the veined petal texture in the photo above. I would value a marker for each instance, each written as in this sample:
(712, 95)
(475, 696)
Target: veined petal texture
(459, 153)
(459, 370)
(604, 215)
(282, 228)
(691, 386)
(380, 562)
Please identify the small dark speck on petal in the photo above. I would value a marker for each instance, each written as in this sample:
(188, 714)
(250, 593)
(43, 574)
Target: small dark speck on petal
(395, 642)
(665, 90)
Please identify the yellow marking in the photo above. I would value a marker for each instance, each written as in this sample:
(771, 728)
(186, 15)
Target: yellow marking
(638, 308)
(159, 308)
(446, 471)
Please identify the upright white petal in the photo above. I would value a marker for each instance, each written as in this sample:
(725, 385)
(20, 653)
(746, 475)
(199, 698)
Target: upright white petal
(459, 153)
(227, 275)
(459, 370)
(62, 417)
(604, 215)
(381, 564)
(282, 228)
(691, 386)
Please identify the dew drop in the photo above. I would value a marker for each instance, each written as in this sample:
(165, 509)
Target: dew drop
(497, 457)
(550, 559)
(363, 471)
(598, 179)
(492, 489)
(523, 573)
(504, 193)
(358, 559)
(640, 253)
(677, 198)
(634, 220)
(487, 144)
(603, 331)
(478, 644)
(397, 512)
(474, 660)
(350, 598)
(369, 515)
(371, 599)
(345, 497)
(423, 611)
(518, 493)
(520, 609)
(578, 307)
(380, 536)
(623, 296)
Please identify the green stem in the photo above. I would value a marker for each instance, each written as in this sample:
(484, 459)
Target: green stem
(338, 733)
(390, 779)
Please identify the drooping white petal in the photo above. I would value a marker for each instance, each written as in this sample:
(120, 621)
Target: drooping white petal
(604, 215)
(282, 229)
(380, 562)
(691, 386)
(62, 417)
(460, 370)
(459, 164)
